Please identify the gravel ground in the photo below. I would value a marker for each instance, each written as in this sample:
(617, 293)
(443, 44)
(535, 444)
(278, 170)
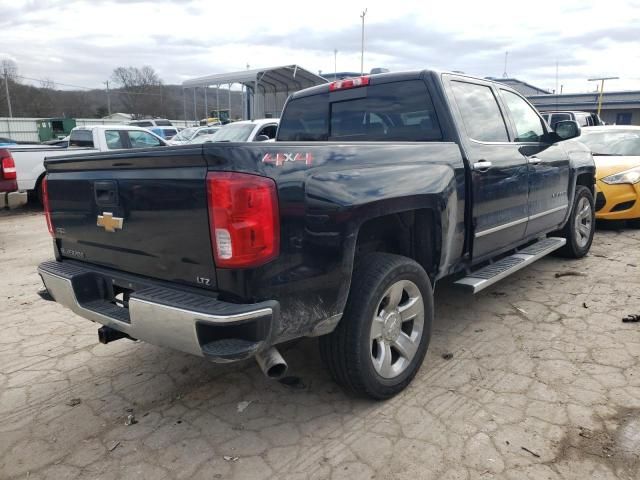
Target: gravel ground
(543, 383)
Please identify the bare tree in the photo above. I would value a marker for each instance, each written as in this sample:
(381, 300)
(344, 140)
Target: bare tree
(140, 89)
(10, 68)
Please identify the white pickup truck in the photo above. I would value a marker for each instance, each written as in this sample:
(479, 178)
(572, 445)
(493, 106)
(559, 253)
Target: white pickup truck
(29, 159)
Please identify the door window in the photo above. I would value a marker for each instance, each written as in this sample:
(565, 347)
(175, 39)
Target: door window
(269, 131)
(480, 112)
(527, 122)
(140, 139)
(114, 141)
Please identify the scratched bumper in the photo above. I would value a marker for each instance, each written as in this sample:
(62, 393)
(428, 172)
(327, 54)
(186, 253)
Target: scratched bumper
(183, 320)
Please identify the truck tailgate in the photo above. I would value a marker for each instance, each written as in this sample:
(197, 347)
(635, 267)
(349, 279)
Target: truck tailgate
(142, 212)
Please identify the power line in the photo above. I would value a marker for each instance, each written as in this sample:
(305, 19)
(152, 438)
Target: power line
(41, 80)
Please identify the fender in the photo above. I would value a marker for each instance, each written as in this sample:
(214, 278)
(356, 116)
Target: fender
(580, 163)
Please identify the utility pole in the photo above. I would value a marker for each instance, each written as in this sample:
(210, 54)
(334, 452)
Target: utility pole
(335, 64)
(506, 56)
(108, 98)
(184, 105)
(206, 105)
(195, 108)
(6, 89)
(601, 80)
(364, 12)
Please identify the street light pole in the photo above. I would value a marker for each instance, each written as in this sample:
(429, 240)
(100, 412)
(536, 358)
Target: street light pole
(335, 63)
(364, 12)
(601, 80)
(108, 98)
(6, 88)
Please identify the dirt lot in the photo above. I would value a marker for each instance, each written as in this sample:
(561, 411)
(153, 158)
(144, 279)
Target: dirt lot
(544, 383)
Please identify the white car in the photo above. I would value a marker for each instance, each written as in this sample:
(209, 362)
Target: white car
(29, 159)
(151, 122)
(247, 131)
(189, 135)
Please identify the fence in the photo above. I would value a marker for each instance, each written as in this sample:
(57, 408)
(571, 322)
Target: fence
(26, 129)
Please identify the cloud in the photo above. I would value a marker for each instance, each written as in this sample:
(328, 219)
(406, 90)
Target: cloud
(82, 42)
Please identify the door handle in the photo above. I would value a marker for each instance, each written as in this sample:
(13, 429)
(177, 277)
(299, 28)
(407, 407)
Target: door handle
(482, 166)
(534, 160)
(106, 193)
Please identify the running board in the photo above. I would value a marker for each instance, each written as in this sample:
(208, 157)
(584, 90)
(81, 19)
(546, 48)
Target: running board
(481, 279)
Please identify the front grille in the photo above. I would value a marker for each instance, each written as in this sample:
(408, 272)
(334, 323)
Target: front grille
(600, 201)
(623, 206)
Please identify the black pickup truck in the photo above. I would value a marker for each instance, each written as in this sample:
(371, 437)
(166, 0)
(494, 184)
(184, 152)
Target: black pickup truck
(376, 188)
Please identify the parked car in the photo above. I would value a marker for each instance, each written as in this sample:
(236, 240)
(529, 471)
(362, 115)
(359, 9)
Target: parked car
(99, 138)
(375, 189)
(616, 151)
(247, 131)
(164, 132)
(188, 135)
(151, 122)
(584, 119)
(7, 142)
(58, 142)
(9, 195)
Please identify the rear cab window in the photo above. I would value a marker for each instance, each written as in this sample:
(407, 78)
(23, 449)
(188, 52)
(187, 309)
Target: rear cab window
(81, 138)
(394, 111)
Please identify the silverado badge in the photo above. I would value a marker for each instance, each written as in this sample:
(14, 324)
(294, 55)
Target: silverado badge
(109, 222)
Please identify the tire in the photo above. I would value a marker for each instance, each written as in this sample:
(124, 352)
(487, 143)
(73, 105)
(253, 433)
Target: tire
(580, 227)
(373, 352)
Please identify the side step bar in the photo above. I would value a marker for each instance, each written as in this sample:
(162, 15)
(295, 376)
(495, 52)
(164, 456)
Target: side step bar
(481, 279)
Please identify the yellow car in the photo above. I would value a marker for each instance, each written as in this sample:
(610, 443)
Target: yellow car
(616, 151)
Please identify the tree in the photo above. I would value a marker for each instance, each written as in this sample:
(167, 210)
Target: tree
(140, 90)
(10, 68)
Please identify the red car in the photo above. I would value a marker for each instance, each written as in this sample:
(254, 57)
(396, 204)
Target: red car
(9, 195)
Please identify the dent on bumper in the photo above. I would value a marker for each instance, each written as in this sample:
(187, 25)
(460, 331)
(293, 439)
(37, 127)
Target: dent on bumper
(192, 323)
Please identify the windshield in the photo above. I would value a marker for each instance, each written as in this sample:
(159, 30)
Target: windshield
(203, 139)
(186, 134)
(612, 142)
(234, 132)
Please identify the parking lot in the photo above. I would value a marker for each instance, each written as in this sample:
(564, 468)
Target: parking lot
(535, 378)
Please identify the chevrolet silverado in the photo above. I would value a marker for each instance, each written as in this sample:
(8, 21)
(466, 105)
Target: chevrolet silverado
(375, 189)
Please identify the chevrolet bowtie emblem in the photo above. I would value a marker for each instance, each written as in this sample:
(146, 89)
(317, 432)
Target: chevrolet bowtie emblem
(109, 222)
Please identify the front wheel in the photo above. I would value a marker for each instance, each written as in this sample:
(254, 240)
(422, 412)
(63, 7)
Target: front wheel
(580, 227)
(382, 339)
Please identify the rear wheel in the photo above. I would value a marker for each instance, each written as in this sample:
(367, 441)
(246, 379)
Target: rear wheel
(580, 227)
(382, 339)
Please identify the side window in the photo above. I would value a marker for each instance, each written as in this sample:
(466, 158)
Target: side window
(480, 112)
(140, 139)
(113, 139)
(269, 131)
(528, 125)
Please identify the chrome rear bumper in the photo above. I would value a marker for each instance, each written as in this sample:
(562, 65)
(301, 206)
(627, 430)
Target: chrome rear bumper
(182, 320)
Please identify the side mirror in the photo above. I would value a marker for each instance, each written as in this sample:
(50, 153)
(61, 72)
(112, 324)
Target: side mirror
(261, 138)
(566, 129)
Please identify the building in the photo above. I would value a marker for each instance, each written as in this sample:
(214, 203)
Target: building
(619, 108)
(119, 117)
(265, 90)
(524, 88)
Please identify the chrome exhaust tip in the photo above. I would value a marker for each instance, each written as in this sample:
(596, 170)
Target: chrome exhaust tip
(271, 363)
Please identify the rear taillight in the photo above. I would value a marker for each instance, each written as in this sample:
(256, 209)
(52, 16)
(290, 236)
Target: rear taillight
(45, 204)
(7, 165)
(243, 219)
(348, 83)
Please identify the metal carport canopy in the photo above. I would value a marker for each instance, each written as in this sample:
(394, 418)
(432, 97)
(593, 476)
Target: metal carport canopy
(287, 78)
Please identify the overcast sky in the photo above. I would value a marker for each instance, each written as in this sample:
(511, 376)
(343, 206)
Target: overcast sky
(81, 42)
